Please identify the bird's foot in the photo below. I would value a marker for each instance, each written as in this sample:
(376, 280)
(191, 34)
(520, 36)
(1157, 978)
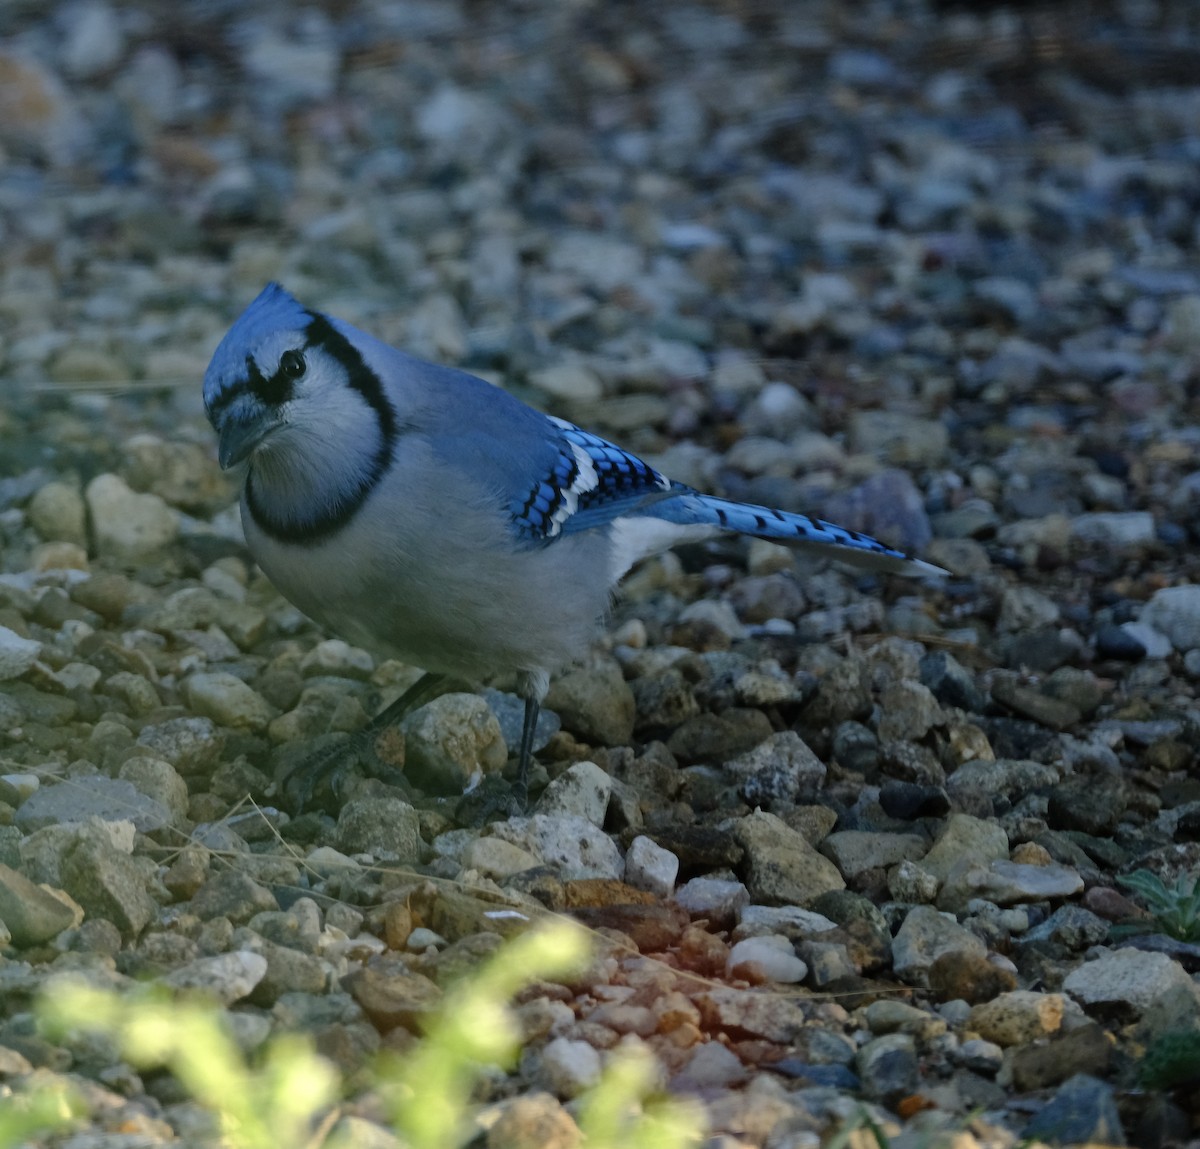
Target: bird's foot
(331, 769)
(493, 800)
(335, 764)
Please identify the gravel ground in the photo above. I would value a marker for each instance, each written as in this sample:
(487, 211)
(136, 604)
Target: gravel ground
(929, 271)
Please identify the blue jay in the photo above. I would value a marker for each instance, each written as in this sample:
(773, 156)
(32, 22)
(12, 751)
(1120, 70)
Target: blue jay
(420, 511)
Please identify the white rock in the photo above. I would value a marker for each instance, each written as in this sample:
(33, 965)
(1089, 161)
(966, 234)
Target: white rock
(769, 956)
(575, 847)
(496, 858)
(1175, 612)
(582, 790)
(718, 898)
(17, 654)
(94, 41)
(333, 656)
(756, 919)
(57, 513)
(325, 861)
(1129, 976)
(126, 523)
(1153, 642)
(228, 977)
(569, 1067)
(1114, 528)
(226, 699)
(649, 867)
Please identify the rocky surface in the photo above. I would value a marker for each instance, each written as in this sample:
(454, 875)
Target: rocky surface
(927, 270)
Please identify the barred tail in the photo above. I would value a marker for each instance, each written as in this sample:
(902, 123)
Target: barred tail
(793, 530)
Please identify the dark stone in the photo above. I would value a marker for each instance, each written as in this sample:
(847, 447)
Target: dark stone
(968, 977)
(716, 738)
(951, 682)
(1092, 804)
(653, 929)
(1116, 643)
(911, 762)
(831, 1076)
(1041, 650)
(856, 748)
(663, 701)
(1032, 703)
(1083, 1050)
(909, 801)
(1082, 1111)
(1017, 738)
(700, 847)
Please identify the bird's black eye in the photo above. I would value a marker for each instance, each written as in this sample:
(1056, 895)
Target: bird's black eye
(292, 365)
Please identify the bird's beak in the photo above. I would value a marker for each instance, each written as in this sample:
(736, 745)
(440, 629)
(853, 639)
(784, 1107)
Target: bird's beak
(238, 438)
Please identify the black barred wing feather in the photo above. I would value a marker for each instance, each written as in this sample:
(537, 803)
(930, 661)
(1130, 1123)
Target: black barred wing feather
(591, 482)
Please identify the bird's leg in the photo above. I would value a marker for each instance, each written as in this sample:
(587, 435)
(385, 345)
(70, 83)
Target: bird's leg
(533, 706)
(303, 779)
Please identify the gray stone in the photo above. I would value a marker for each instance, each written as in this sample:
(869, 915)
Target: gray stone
(779, 769)
(159, 781)
(1125, 981)
(191, 745)
(108, 883)
(965, 837)
(17, 654)
(595, 702)
(93, 796)
(94, 41)
(226, 699)
(1018, 1017)
(496, 858)
(451, 742)
(1006, 883)
(908, 711)
(1025, 608)
(1115, 528)
(923, 937)
(31, 914)
(781, 868)
(888, 1067)
(385, 827)
(714, 899)
(769, 1016)
(532, 1119)
(1010, 777)
(1073, 927)
(790, 921)
(234, 895)
(58, 514)
(856, 851)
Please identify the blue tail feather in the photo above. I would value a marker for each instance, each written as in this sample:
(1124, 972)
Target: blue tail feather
(788, 528)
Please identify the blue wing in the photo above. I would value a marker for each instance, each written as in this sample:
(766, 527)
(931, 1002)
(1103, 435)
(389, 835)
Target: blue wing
(590, 482)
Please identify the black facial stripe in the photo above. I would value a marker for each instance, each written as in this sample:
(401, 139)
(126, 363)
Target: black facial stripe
(273, 391)
(321, 333)
(339, 510)
(227, 395)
